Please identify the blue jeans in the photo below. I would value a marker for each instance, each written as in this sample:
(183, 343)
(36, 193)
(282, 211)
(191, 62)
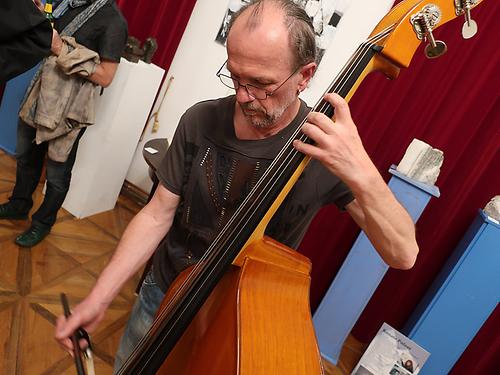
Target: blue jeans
(141, 318)
(30, 158)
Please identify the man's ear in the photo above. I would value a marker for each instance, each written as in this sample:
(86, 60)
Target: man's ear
(307, 72)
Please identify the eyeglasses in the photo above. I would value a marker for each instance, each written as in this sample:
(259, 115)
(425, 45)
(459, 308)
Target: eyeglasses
(254, 91)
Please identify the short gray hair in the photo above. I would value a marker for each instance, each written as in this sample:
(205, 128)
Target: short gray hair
(298, 23)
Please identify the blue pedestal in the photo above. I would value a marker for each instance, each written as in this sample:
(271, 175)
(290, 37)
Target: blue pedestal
(361, 273)
(461, 298)
(9, 109)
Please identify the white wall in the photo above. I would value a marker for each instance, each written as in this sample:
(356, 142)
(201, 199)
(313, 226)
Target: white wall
(198, 58)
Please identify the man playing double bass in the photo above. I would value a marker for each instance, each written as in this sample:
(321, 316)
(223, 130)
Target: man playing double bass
(221, 148)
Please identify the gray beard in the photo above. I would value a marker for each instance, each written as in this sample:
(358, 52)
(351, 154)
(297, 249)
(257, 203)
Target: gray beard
(268, 121)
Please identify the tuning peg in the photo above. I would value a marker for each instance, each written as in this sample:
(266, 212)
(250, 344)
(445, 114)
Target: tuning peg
(423, 23)
(469, 29)
(435, 48)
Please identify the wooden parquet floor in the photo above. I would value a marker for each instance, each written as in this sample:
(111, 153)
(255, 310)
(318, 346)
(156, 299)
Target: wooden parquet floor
(31, 280)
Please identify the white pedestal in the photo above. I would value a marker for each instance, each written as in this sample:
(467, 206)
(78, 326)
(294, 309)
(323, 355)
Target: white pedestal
(106, 149)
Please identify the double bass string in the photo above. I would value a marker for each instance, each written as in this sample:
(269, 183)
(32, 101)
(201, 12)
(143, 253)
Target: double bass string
(235, 225)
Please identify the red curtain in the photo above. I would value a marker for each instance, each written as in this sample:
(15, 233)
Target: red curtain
(452, 103)
(164, 20)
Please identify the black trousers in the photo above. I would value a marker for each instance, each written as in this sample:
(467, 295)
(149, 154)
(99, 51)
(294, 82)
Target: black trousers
(30, 158)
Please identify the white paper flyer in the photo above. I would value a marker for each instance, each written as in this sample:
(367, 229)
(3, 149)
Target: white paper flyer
(391, 353)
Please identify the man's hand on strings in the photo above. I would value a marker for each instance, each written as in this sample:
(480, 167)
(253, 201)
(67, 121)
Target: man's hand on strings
(337, 143)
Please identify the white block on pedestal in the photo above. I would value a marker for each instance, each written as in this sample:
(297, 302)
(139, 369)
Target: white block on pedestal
(107, 147)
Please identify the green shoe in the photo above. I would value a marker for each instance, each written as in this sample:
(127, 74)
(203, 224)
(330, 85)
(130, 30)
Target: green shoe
(8, 211)
(33, 235)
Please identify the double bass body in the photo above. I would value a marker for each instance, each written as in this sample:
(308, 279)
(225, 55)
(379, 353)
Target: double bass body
(257, 321)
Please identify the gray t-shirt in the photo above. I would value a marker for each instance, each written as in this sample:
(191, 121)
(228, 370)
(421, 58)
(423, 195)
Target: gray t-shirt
(213, 171)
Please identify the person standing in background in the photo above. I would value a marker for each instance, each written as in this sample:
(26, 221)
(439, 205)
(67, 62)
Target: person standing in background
(89, 57)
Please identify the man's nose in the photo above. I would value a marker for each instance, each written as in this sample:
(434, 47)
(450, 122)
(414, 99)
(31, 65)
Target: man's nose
(242, 95)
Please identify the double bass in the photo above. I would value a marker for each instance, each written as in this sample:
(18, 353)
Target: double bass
(244, 307)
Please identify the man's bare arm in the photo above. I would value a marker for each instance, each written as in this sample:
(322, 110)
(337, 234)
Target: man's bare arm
(104, 73)
(139, 241)
(389, 228)
(339, 148)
